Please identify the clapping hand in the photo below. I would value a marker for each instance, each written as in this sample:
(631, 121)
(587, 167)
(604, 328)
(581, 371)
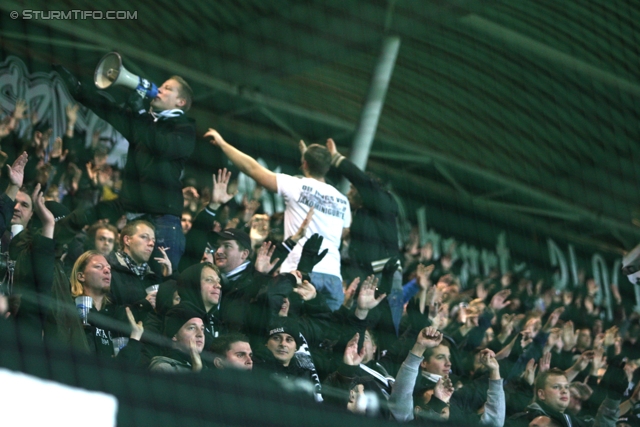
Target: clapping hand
(351, 355)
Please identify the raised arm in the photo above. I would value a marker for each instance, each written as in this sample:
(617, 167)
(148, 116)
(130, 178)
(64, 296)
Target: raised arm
(495, 407)
(245, 163)
(401, 399)
(16, 175)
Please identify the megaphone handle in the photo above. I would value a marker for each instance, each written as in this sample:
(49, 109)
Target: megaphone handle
(147, 89)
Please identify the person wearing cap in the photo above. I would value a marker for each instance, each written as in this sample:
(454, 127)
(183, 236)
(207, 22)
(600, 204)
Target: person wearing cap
(279, 354)
(241, 281)
(185, 326)
(201, 238)
(332, 210)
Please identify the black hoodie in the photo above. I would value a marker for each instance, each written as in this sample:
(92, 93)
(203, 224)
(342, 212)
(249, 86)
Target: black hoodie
(190, 291)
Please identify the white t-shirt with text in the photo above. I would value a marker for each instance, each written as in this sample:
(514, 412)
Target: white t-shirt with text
(332, 213)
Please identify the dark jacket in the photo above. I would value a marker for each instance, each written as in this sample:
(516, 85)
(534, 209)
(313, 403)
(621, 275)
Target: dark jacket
(198, 237)
(239, 291)
(607, 416)
(374, 232)
(189, 289)
(129, 289)
(33, 279)
(155, 159)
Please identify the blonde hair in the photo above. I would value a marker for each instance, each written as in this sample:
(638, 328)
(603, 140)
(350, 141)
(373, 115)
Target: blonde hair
(81, 263)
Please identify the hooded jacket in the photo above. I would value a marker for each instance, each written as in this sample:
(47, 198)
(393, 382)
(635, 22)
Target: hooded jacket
(189, 289)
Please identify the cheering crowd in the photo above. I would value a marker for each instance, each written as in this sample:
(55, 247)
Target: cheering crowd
(180, 280)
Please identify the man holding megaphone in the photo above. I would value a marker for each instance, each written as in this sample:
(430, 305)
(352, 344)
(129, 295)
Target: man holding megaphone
(160, 141)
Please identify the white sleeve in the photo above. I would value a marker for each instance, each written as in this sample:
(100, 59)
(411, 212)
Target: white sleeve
(285, 183)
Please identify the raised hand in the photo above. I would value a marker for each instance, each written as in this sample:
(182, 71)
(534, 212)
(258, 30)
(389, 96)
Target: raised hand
(232, 223)
(16, 171)
(263, 262)
(306, 290)
(302, 230)
(310, 255)
(489, 361)
(423, 272)
(553, 340)
(45, 215)
(583, 360)
(219, 195)
(20, 109)
(137, 328)
(331, 147)
(529, 373)
(553, 319)
(190, 193)
(526, 339)
(481, 291)
(71, 111)
(350, 292)
(351, 355)
(196, 360)
(56, 150)
(217, 139)
(499, 300)
(545, 362)
(303, 147)
(429, 337)
(598, 340)
(598, 361)
(164, 261)
(444, 389)
(569, 336)
(92, 172)
(152, 298)
(610, 336)
(367, 297)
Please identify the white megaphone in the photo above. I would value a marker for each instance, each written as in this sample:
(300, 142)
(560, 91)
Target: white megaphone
(111, 72)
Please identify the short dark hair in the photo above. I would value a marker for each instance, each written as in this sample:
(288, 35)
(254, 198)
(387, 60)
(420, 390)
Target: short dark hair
(318, 160)
(541, 379)
(184, 91)
(429, 351)
(93, 230)
(221, 344)
(132, 227)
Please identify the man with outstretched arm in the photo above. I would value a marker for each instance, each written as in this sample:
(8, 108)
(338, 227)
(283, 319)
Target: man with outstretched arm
(332, 210)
